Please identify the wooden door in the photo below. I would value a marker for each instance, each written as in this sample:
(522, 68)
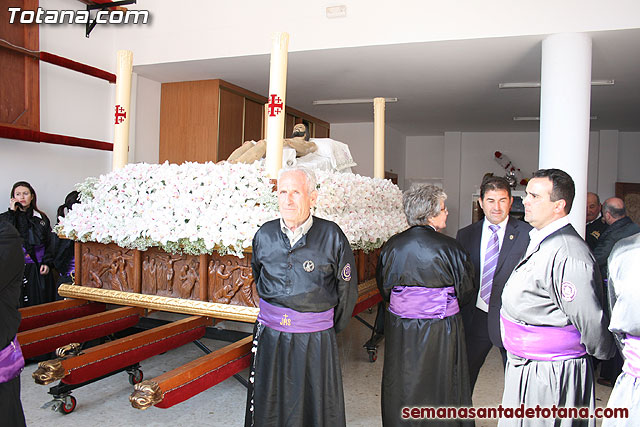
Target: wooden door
(230, 133)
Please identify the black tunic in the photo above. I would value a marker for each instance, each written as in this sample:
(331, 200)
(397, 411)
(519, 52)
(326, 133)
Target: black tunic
(296, 378)
(11, 268)
(425, 360)
(35, 231)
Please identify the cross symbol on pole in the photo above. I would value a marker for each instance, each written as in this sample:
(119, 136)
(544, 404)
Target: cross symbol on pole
(275, 105)
(120, 114)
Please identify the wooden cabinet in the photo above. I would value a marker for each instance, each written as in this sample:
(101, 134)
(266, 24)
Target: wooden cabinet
(206, 120)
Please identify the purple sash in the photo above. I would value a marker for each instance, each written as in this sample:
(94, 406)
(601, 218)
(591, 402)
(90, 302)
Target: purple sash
(39, 251)
(11, 361)
(631, 353)
(541, 342)
(288, 320)
(416, 302)
(72, 267)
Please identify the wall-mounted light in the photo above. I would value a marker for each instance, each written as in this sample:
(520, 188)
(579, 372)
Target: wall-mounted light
(537, 118)
(520, 85)
(349, 101)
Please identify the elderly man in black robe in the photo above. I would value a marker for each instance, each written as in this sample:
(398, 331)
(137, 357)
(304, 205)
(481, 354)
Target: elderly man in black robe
(425, 276)
(305, 276)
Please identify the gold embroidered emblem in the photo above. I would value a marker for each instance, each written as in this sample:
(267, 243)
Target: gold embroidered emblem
(595, 234)
(286, 321)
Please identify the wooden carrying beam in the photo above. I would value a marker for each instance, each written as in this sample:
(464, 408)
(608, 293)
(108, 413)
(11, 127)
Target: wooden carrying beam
(155, 302)
(182, 383)
(48, 338)
(40, 315)
(105, 358)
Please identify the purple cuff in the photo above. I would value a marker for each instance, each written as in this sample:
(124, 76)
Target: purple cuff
(288, 320)
(541, 342)
(417, 302)
(39, 252)
(11, 361)
(631, 354)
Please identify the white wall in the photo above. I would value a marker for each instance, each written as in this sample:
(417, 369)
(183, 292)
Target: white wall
(147, 121)
(394, 154)
(359, 137)
(424, 156)
(629, 157)
(71, 104)
(460, 160)
(200, 28)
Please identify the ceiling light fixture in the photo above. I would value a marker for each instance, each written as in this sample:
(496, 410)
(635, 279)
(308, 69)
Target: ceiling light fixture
(536, 118)
(519, 85)
(349, 101)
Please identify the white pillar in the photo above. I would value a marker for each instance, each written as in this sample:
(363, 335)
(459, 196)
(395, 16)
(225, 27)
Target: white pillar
(276, 106)
(124, 67)
(564, 113)
(378, 137)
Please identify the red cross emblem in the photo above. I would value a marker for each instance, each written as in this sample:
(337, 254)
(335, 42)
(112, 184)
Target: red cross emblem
(120, 114)
(275, 105)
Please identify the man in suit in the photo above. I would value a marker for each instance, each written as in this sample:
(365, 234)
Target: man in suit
(596, 224)
(494, 255)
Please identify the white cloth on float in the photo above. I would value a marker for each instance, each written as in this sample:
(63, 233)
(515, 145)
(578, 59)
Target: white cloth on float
(336, 152)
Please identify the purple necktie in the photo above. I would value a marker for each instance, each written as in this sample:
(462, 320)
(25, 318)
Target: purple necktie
(490, 263)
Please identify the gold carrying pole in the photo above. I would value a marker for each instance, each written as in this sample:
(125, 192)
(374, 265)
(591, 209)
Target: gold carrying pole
(154, 302)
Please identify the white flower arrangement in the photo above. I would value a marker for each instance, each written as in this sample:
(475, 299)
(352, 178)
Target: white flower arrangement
(197, 208)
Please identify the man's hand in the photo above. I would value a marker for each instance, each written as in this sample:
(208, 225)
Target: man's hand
(44, 269)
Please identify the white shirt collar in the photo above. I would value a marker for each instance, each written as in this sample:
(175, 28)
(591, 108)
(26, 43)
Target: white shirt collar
(300, 231)
(502, 225)
(537, 236)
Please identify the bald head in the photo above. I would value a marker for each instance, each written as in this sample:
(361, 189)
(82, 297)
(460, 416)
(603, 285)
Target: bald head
(593, 206)
(613, 210)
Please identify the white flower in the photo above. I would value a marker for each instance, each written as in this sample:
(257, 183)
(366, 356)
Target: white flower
(201, 207)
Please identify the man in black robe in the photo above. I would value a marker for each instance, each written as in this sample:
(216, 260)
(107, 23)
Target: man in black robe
(425, 276)
(305, 276)
(11, 270)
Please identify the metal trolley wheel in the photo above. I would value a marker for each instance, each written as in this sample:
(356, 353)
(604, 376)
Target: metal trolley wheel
(135, 376)
(67, 405)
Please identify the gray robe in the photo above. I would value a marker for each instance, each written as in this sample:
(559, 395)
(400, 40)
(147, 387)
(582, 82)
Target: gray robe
(624, 299)
(556, 284)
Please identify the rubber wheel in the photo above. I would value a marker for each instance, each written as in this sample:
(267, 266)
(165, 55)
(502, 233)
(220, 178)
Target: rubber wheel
(136, 377)
(69, 405)
(373, 356)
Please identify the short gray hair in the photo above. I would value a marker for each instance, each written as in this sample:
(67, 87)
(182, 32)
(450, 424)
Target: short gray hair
(421, 203)
(310, 176)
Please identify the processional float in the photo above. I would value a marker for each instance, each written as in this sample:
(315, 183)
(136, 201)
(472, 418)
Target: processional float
(207, 287)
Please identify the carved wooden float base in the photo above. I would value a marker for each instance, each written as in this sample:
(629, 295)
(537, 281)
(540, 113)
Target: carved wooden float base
(105, 358)
(53, 312)
(154, 302)
(186, 381)
(43, 340)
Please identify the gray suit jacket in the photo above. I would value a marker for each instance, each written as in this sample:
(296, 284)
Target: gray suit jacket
(514, 245)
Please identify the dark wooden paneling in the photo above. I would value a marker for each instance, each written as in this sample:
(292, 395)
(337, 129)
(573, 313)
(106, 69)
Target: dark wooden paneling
(253, 115)
(20, 83)
(231, 119)
(289, 123)
(320, 131)
(189, 121)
